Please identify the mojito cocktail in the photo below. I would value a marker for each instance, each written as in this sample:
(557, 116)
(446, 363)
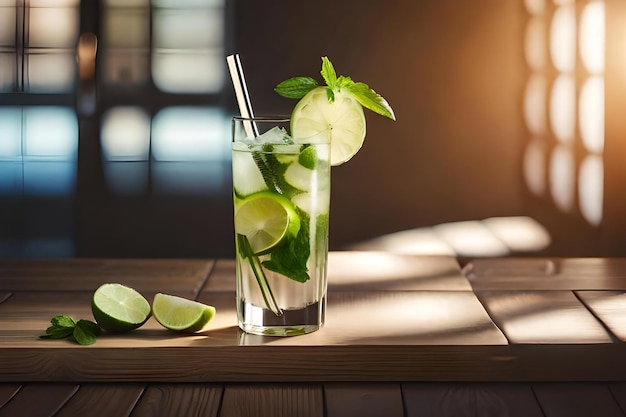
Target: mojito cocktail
(281, 192)
(281, 187)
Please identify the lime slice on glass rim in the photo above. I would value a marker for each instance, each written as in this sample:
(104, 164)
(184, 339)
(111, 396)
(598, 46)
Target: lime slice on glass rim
(181, 314)
(341, 123)
(266, 219)
(118, 308)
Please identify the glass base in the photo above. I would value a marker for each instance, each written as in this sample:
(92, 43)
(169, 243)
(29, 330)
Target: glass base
(260, 321)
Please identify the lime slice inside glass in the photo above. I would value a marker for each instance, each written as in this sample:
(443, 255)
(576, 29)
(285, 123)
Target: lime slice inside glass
(181, 314)
(118, 308)
(266, 219)
(340, 123)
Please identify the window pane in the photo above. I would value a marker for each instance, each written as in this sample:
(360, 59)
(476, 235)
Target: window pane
(125, 134)
(51, 72)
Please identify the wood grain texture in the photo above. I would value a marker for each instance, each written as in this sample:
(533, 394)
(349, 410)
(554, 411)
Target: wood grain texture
(381, 363)
(38, 400)
(7, 391)
(609, 307)
(102, 400)
(547, 273)
(543, 317)
(180, 400)
(469, 400)
(363, 400)
(272, 401)
(176, 276)
(576, 400)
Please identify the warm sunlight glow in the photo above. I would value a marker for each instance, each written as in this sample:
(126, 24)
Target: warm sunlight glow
(471, 238)
(535, 6)
(563, 108)
(591, 114)
(591, 189)
(562, 177)
(535, 43)
(592, 35)
(534, 166)
(563, 38)
(535, 104)
(519, 233)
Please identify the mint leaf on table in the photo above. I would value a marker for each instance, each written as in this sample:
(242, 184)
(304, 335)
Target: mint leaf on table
(84, 332)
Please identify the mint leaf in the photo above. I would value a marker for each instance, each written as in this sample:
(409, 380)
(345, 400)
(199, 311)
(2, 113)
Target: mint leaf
(296, 87)
(57, 332)
(63, 321)
(370, 99)
(290, 258)
(328, 72)
(86, 332)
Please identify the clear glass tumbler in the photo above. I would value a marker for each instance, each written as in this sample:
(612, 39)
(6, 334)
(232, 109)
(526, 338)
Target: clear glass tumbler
(281, 192)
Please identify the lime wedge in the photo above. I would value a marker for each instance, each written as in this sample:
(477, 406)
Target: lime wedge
(118, 308)
(266, 219)
(340, 123)
(180, 314)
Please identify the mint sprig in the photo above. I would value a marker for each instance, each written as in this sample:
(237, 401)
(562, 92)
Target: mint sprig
(298, 87)
(84, 332)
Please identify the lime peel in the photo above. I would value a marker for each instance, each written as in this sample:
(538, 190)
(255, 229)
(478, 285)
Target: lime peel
(118, 308)
(181, 314)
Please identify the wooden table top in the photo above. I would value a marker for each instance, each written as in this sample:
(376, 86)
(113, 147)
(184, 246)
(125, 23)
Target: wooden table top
(396, 325)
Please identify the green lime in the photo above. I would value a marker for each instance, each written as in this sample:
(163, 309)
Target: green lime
(180, 314)
(118, 308)
(266, 219)
(340, 123)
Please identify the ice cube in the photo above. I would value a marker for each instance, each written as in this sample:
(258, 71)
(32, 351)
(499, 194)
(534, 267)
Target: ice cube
(275, 136)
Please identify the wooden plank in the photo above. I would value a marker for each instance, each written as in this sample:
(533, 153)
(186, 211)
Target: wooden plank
(198, 358)
(400, 318)
(180, 400)
(469, 400)
(363, 399)
(4, 296)
(272, 401)
(576, 400)
(7, 391)
(222, 277)
(543, 317)
(36, 400)
(174, 276)
(33, 310)
(104, 400)
(609, 307)
(547, 273)
(618, 390)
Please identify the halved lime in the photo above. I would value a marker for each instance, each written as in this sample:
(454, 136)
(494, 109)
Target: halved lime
(266, 219)
(340, 123)
(118, 308)
(181, 314)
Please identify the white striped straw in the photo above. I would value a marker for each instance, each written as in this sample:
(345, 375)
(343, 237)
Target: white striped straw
(241, 92)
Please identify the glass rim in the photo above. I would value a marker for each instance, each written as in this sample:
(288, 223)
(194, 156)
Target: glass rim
(281, 118)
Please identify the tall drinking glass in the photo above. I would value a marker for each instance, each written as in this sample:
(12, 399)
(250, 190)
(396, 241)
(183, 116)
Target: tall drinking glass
(281, 191)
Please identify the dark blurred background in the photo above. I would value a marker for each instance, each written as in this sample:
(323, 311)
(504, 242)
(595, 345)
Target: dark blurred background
(114, 121)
